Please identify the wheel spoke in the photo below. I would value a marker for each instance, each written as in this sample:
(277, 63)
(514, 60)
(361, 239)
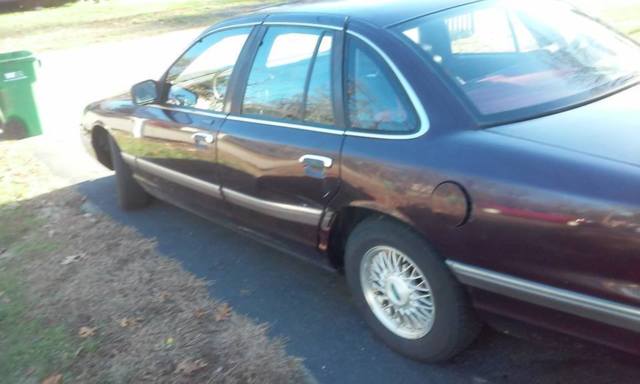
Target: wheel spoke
(398, 292)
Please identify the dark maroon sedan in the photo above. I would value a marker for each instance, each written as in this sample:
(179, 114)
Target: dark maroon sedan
(460, 161)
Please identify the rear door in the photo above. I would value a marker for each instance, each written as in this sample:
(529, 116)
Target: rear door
(279, 149)
(174, 141)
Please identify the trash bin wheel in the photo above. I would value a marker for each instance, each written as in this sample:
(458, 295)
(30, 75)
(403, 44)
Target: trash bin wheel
(13, 130)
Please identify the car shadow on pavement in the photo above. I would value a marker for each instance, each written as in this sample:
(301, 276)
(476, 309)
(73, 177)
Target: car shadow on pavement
(311, 308)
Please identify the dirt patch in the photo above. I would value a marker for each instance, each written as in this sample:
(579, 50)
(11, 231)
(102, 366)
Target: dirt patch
(146, 318)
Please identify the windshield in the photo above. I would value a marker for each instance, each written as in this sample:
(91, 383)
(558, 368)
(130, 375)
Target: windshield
(514, 61)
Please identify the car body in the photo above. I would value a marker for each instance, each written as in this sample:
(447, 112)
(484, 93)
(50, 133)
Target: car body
(536, 214)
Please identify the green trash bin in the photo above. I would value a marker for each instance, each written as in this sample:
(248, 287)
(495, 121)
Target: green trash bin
(18, 110)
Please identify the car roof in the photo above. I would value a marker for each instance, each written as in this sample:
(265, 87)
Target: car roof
(382, 13)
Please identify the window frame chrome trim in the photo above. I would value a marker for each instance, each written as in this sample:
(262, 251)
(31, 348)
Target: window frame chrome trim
(578, 304)
(217, 115)
(223, 28)
(408, 89)
(246, 119)
(425, 123)
(302, 24)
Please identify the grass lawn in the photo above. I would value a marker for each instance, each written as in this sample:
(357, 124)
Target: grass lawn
(29, 349)
(86, 300)
(82, 23)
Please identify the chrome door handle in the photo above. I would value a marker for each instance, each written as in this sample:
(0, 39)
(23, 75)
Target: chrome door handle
(201, 137)
(326, 162)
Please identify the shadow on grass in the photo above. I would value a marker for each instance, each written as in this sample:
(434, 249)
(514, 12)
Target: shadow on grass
(30, 347)
(90, 299)
(312, 309)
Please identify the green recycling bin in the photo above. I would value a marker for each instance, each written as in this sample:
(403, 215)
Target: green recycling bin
(18, 110)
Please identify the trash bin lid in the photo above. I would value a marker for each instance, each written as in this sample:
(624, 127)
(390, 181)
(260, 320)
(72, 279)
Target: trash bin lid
(9, 57)
(16, 68)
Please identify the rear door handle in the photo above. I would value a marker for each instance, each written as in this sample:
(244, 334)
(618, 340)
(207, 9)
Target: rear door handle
(203, 138)
(326, 162)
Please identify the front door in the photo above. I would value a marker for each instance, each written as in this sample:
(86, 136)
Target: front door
(174, 142)
(279, 149)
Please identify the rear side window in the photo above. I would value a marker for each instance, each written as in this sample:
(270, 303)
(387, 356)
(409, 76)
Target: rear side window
(291, 76)
(375, 99)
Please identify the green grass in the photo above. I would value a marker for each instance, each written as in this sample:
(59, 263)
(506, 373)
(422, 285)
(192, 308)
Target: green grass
(30, 349)
(16, 223)
(81, 23)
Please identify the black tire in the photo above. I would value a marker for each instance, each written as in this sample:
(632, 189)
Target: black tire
(454, 325)
(13, 130)
(131, 195)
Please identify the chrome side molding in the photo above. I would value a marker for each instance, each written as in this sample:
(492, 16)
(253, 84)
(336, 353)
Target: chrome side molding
(589, 307)
(131, 160)
(179, 178)
(302, 215)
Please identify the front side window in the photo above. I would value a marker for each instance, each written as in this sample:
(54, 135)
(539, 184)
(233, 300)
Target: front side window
(199, 79)
(291, 76)
(375, 99)
(515, 60)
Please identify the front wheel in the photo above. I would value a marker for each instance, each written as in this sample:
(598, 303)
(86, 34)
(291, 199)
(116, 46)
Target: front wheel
(130, 194)
(406, 293)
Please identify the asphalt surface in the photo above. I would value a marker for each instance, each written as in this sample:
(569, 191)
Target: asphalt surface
(311, 308)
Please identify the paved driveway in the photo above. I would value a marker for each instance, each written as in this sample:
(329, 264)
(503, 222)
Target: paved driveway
(311, 308)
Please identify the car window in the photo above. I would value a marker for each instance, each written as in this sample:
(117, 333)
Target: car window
(291, 76)
(199, 79)
(484, 31)
(319, 102)
(375, 99)
(518, 60)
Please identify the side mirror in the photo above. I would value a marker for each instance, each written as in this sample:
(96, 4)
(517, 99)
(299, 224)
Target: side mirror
(146, 92)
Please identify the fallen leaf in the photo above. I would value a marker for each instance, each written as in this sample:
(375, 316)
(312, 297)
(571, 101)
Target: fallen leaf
(53, 379)
(127, 322)
(223, 312)
(199, 313)
(71, 259)
(30, 371)
(164, 296)
(169, 341)
(189, 367)
(85, 332)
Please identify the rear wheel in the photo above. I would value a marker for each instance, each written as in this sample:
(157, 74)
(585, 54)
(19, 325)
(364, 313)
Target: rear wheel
(406, 292)
(130, 194)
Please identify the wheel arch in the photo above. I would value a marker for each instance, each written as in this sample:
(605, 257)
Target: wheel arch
(345, 219)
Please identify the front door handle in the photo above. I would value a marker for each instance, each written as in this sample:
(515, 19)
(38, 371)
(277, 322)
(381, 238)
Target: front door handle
(203, 138)
(326, 162)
